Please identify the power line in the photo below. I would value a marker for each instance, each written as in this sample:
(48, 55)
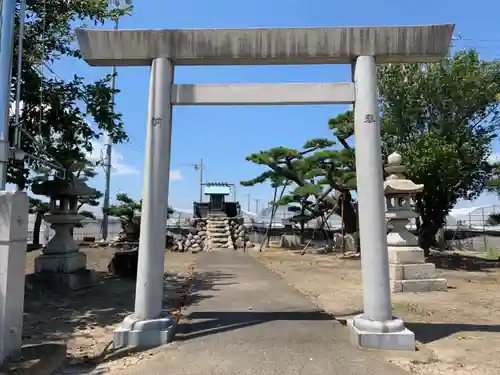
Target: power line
(460, 38)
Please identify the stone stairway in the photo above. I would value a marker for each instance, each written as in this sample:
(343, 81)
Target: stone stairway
(218, 234)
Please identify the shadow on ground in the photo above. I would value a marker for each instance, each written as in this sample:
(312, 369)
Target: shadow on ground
(429, 332)
(56, 316)
(214, 322)
(207, 282)
(462, 262)
(52, 314)
(36, 359)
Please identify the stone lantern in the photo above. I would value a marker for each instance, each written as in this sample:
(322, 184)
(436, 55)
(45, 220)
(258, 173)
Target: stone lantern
(61, 264)
(407, 268)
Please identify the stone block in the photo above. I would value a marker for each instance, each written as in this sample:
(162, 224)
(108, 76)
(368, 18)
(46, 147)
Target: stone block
(13, 238)
(412, 271)
(135, 332)
(406, 255)
(401, 340)
(60, 263)
(218, 234)
(14, 218)
(73, 281)
(12, 281)
(418, 286)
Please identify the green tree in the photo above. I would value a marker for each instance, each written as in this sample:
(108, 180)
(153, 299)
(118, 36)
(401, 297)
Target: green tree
(313, 174)
(56, 112)
(84, 173)
(128, 211)
(494, 219)
(441, 118)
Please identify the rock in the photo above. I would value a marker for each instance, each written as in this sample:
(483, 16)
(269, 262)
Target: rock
(124, 263)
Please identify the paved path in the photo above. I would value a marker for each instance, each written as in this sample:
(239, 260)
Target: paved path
(247, 321)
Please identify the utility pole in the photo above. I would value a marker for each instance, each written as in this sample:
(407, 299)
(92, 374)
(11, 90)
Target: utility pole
(116, 4)
(249, 198)
(200, 167)
(7, 14)
(257, 205)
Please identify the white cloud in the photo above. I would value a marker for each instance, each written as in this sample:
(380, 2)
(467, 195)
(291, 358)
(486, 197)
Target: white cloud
(119, 166)
(175, 175)
(494, 157)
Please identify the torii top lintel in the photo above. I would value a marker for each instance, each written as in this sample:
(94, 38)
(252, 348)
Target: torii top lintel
(321, 45)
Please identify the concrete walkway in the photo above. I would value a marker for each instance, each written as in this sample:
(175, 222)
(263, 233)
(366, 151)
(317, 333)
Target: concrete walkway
(245, 320)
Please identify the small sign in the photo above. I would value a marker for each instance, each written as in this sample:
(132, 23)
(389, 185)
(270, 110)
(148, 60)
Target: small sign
(370, 119)
(156, 121)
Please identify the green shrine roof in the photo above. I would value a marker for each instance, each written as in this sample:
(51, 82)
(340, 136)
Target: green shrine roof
(217, 188)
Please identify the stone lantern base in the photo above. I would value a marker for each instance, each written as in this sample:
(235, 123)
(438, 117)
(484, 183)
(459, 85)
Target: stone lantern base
(408, 271)
(61, 265)
(66, 270)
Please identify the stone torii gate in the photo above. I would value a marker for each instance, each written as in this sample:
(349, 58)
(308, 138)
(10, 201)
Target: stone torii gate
(363, 47)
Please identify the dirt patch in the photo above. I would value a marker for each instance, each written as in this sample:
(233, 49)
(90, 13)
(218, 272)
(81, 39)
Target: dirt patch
(85, 319)
(458, 330)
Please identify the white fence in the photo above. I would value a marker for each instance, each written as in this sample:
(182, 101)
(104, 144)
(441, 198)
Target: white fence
(91, 228)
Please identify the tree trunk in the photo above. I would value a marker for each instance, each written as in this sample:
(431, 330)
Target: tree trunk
(432, 218)
(302, 224)
(267, 239)
(19, 175)
(427, 235)
(36, 228)
(345, 210)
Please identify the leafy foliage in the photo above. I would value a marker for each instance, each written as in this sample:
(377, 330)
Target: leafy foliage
(493, 184)
(313, 173)
(128, 211)
(56, 113)
(442, 118)
(494, 219)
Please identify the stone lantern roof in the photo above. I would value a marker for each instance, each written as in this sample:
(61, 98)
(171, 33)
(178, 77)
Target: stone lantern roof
(63, 188)
(397, 183)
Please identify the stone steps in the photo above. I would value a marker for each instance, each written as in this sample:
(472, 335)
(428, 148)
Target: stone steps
(218, 233)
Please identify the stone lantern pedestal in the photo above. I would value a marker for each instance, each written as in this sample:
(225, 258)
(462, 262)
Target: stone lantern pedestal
(62, 264)
(408, 271)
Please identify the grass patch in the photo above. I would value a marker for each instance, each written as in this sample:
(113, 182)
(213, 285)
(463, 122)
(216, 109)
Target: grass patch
(490, 254)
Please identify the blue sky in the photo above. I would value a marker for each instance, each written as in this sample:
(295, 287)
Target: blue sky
(224, 136)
